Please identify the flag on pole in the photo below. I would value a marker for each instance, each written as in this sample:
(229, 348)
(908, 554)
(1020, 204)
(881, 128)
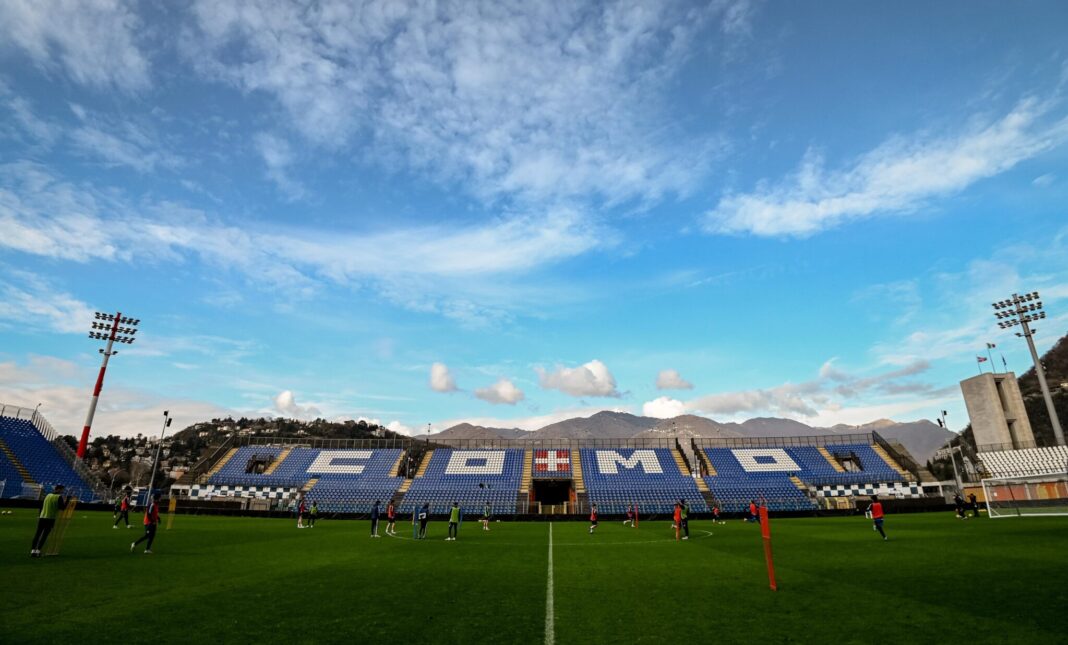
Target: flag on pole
(981, 359)
(991, 345)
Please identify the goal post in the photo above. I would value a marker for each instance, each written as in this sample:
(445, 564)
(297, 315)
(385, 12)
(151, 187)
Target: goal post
(1028, 495)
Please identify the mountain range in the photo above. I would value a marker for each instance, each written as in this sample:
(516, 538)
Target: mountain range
(921, 438)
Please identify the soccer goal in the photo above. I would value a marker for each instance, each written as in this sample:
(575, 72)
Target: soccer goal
(1027, 495)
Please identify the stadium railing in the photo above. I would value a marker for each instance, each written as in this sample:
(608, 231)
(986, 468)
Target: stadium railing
(1019, 445)
(784, 442)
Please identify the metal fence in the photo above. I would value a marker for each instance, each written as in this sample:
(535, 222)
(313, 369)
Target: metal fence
(1019, 445)
(784, 442)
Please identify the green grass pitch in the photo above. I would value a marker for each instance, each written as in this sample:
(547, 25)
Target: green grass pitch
(244, 580)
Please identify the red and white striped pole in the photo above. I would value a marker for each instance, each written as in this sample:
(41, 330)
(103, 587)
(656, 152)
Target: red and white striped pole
(111, 337)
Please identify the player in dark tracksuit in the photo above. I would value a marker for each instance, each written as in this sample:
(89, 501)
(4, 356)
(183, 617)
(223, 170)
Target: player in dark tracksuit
(424, 517)
(685, 517)
(374, 519)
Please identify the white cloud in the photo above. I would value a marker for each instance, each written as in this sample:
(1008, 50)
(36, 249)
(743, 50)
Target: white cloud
(503, 391)
(29, 299)
(1045, 180)
(672, 380)
(94, 42)
(285, 404)
(278, 156)
(462, 271)
(785, 400)
(663, 408)
(532, 422)
(507, 98)
(400, 428)
(591, 379)
(63, 388)
(441, 379)
(899, 175)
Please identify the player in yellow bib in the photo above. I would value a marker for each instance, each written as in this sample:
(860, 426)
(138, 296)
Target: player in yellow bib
(454, 522)
(53, 503)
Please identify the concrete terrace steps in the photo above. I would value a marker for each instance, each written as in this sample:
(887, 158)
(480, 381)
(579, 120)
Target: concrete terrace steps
(831, 460)
(703, 456)
(10, 454)
(310, 484)
(797, 482)
(528, 471)
(425, 464)
(395, 470)
(222, 462)
(277, 462)
(885, 456)
(576, 468)
(681, 463)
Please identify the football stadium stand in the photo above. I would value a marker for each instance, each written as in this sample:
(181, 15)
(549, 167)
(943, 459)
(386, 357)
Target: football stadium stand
(29, 457)
(514, 477)
(339, 480)
(788, 475)
(470, 477)
(649, 478)
(1027, 461)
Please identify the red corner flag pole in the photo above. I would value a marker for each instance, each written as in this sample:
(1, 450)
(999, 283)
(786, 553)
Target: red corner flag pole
(765, 531)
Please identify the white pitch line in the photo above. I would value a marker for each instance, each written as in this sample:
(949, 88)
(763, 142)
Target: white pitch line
(550, 637)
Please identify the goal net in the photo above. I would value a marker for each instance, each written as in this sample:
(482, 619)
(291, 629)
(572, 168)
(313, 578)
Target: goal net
(1027, 495)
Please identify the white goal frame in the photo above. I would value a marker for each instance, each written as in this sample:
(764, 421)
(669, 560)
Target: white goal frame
(1026, 495)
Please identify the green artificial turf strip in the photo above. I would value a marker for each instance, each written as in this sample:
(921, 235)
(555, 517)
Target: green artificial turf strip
(247, 580)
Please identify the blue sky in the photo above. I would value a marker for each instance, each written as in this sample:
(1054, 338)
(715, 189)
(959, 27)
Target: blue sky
(513, 213)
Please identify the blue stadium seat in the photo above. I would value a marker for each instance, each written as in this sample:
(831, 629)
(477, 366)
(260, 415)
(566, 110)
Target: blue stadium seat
(470, 477)
(763, 474)
(615, 478)
(339, 488)
(40, 458)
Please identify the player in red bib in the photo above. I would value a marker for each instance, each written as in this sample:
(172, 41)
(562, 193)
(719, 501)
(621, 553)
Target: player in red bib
(876, 510)
(391, 516)
(753, 517)
(593, 518)
(676, 520)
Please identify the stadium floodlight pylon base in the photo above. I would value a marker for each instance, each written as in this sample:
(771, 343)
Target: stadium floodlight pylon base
(59, 531)
(1027, 495)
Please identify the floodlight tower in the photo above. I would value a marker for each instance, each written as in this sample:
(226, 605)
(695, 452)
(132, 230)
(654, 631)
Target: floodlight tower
(1022, 310)
(106, 327)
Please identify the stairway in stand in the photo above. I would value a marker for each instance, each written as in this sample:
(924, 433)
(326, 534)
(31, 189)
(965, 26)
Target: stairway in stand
(395, 471)
(10, 454)
(222, 462)
(423, 465)
(709, 468)
(684, 470)
(576, 467)
(891, 462)
(528, 471)
(831, 460)
(800, 484)
(308, 485)
(277, 462)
